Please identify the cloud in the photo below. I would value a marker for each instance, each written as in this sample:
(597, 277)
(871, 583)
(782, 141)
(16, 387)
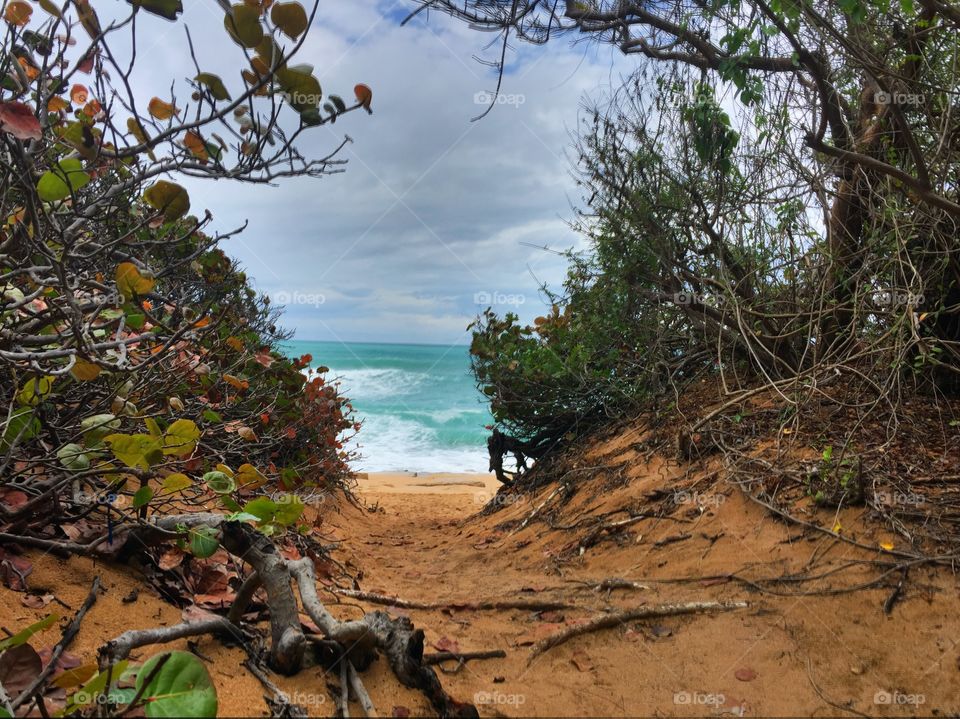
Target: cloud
(433, 209)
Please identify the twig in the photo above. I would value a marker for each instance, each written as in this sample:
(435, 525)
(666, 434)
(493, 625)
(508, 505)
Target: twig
(611, 620)
(280, 703)
(462, 657)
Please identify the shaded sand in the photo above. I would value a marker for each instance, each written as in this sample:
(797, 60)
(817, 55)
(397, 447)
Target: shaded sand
(783, 655)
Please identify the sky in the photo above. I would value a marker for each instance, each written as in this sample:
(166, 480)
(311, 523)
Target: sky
(435, 216)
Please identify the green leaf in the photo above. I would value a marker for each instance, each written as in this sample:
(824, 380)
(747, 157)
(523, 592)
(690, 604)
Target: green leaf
(168, 197)
(289, 509)
(242, 517)
(219, 482)
(142, 497)
(24, 635)
(290, 17)
(98, 426)
(88, 693)
(63, 179)
(211, 416)
(22, 426)
(302, 88)
(181, 438)
(214, 84)
(243, 25)
(203, 543)
(338, 103)
(35, 390)
(180, 688)
(262, 508)
(136, 450)
(72, 457)
(164, 8)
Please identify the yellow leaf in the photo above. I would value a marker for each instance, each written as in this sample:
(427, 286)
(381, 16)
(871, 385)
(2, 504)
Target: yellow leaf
(84, 371)
(837, 528)
(240, 384)
(225, 469)
(161, 110)
(131, 282)
(88, 18)
(235, 343)
(887, 546)
(56, 104)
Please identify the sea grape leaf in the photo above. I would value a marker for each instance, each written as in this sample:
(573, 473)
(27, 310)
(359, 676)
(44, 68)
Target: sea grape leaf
(181, 437)
(136, 450)
(290, 17)
(61, 180)
(168, 9)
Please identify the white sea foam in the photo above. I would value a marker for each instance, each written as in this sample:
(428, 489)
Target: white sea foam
(388, 443)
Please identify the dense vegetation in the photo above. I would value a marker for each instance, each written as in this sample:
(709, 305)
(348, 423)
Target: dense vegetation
(772, 197)
(140, 370)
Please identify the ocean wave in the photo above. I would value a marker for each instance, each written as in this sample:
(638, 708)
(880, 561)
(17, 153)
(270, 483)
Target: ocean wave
(379, 383)
(389, 443)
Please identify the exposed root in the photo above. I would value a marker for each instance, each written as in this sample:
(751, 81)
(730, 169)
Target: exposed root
(482, 605)
(611, 620)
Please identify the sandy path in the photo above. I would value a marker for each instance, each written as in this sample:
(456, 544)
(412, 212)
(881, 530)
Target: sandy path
(419, 540)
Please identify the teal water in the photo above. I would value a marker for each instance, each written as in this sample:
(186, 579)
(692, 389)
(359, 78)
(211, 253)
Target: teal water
(420, 409)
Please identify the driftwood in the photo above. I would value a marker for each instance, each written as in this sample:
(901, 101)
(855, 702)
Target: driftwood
(359, 640)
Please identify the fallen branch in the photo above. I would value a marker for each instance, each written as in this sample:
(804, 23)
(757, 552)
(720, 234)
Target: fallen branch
(611, 620)
(120, 648)
(462, 657)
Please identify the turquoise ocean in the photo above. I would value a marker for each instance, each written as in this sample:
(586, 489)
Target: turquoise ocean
(420, 409)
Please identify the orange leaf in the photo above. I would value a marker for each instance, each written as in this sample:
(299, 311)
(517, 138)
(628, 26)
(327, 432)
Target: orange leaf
(78, 95)
(364, 96)
(56, 104)
(18, 13)
(196, 145)
(161, 110)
